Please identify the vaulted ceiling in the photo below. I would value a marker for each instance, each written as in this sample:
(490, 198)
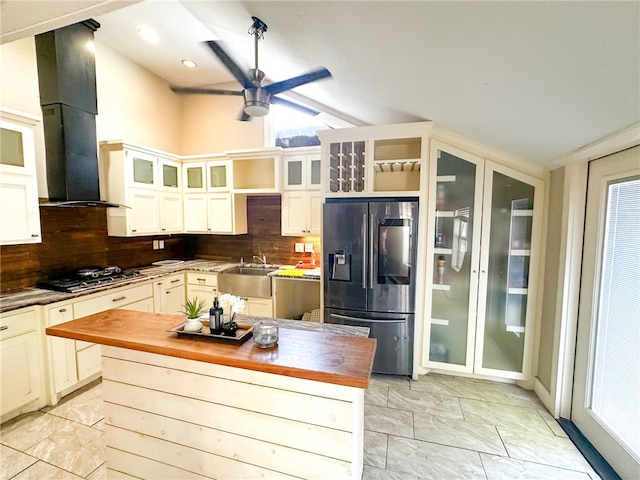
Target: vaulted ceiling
(534, 79)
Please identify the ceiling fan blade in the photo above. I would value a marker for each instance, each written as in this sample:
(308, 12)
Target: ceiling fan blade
(207, 91)
(294, 82)
(232, 66)
(295, 106)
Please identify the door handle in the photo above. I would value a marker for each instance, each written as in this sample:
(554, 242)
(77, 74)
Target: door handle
(354, 319)
(371, 259)
(364, 250)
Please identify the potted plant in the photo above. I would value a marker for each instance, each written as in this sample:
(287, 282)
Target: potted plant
(193, 308)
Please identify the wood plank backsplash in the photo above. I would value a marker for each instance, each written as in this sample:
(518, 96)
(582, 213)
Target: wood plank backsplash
(264, 227)
(77, 237)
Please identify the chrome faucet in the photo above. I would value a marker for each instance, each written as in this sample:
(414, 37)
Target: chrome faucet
(262, 257)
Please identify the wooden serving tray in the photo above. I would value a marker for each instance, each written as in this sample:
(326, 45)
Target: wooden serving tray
(244, 332)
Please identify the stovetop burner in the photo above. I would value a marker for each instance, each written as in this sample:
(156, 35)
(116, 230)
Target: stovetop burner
(88, 278)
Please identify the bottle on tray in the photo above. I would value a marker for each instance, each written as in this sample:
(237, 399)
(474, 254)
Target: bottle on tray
(215, 317)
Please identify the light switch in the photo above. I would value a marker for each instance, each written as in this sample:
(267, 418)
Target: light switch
(156, 245)
(161, 244)
(308, 247)
(299, 248)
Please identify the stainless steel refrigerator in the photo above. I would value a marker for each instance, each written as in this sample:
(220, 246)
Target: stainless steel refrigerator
(369, 261)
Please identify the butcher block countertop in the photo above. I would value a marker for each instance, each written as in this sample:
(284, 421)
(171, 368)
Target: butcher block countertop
(320, 354)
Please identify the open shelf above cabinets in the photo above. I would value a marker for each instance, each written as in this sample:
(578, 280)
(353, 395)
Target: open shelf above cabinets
(374, 160)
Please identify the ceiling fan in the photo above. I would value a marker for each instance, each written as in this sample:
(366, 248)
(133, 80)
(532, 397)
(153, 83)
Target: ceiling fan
(256, 96)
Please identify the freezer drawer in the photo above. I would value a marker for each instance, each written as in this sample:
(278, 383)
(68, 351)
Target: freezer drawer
(393, 334)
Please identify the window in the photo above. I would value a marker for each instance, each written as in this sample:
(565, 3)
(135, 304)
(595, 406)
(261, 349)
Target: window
(292, 128)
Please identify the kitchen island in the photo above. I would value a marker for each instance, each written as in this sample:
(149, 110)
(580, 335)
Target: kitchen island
(194, 408)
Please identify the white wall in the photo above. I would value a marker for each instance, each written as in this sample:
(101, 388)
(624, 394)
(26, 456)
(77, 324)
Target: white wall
(134, 104)
(210, 124)
(19, 91)
(550, 291)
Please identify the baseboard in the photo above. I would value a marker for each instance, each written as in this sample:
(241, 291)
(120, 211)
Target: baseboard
(544, 395)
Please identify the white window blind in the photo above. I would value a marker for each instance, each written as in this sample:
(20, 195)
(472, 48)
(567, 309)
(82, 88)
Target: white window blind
(615, 387)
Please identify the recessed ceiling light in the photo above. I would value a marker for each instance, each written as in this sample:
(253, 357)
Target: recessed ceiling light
(148, 34)
(189, 63)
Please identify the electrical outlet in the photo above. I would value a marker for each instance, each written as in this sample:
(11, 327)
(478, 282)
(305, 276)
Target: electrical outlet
(161, 244)
(308, 247)
(299, 248)
(156, 245)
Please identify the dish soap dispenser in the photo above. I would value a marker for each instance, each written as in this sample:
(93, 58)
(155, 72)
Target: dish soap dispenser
(215, 317)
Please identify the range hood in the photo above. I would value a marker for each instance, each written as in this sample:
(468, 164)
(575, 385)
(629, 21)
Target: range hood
(67, 81)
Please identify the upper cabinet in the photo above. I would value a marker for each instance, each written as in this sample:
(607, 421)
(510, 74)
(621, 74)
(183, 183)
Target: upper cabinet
(256, 171)
(386, 160)
(302, 198)
(482, 265)
(148, 182)
(302, 171)
(19, 211)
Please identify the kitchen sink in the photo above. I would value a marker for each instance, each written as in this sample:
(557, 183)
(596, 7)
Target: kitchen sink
(246, 281)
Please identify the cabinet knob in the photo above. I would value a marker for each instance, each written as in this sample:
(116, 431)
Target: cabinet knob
(164, 229)
(175, 281)
(34, 235)
(119, 299)
(133, 230)
(62, 310)
(159, 283)
(4, 327)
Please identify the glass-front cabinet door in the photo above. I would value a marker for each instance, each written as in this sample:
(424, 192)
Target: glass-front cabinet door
(219, 176)
(194, 175)
(170, 175)
(485, 225)
(453, 257)
(511, 233)
(142, 169)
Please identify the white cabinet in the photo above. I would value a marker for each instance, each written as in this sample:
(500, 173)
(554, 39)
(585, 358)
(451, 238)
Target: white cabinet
(170, 196)
(20, 360)
(146, 181)
(19, 211)
(73, 363)
(301, 213)
(169, 294)
(482, 265)
(202, 285)
(256, 171)
(302, 171)
(302, 198)
(261, 307)
(209, 204)
(62, 359)
(382, 160)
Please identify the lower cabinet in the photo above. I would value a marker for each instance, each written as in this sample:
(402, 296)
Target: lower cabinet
(169, 294)
(20, 360)
(261, 307)
(72, 362)
(202, 285)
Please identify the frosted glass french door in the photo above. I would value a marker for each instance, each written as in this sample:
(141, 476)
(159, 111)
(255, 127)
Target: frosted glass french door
(606, 390)
(511, 236)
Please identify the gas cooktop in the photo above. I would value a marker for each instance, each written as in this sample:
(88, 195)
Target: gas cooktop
(88, 279)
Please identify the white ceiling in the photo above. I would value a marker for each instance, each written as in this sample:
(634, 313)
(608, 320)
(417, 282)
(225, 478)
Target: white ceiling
(534, 79)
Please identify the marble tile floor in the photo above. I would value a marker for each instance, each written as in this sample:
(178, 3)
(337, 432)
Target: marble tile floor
(439, 427)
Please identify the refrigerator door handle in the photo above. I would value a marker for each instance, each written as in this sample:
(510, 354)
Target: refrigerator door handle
(367, 320)
(365, 247)
(371, 249)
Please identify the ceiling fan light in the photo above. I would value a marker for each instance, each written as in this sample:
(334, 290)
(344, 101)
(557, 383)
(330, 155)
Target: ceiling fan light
(256, 109)
(256, 102)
